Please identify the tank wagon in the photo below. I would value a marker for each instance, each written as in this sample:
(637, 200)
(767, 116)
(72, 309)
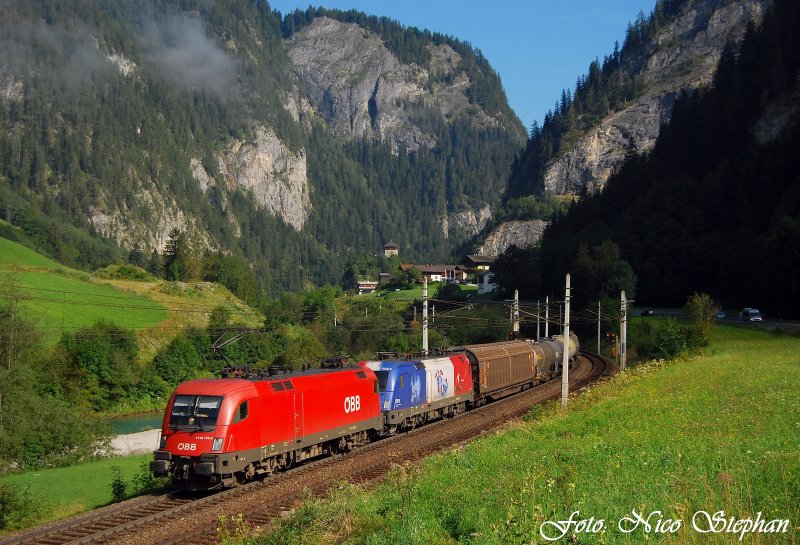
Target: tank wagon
(219, 432)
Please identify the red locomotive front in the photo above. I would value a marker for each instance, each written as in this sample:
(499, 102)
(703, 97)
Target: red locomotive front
(218, 432)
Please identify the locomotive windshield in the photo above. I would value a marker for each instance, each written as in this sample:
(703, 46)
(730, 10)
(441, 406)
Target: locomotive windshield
(383, 377)
(195, 412)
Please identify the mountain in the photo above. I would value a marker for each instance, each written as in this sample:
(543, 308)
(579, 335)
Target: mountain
(295, 142)
(714, 207)
(620, 105)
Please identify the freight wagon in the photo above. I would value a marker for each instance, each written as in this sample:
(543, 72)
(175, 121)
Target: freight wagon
(503, 368)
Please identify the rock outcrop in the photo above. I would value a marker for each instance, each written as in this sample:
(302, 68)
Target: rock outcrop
(164, 213)
(683, 57)
(275, 176)
(467, 223)
(363, 91)
(520, 233)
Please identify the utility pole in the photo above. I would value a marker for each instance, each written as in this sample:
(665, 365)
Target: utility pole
(547, 317)
(598, 326)
(623, 335)
(425, 315)
(515, 315)
(538, 319)
(565, 359)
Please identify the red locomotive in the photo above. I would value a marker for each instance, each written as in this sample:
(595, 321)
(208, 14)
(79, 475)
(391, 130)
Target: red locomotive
(219, 432)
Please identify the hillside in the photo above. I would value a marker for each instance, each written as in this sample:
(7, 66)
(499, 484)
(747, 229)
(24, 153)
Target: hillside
(655, 439)
(714, 207)
(58, 300)
(621, 103)
(121, 121)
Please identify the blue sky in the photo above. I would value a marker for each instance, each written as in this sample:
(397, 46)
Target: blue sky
(538, 47)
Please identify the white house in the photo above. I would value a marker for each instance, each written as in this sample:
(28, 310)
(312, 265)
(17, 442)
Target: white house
(485, 284)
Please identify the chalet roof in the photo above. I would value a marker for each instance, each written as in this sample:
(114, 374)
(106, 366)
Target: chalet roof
(390, 246)
(429, 268)
(482, 259)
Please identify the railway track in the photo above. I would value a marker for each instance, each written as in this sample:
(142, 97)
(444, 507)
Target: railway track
(193, 519)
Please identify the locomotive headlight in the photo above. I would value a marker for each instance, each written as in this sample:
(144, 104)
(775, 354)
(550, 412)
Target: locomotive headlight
(163, 443)
(217, 444)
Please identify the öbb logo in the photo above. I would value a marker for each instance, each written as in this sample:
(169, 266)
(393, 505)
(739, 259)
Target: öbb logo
(352, 404)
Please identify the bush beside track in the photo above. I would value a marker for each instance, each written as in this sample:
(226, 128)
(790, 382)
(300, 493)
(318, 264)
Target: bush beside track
(714, 432)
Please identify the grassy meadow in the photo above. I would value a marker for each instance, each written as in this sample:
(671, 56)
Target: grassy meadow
(717, 432)
(60, 299)
(64, 491)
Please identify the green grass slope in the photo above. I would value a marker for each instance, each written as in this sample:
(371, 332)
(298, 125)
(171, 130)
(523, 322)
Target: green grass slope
(60, 492)
(13, 255)
(59, 298)
(719, 432)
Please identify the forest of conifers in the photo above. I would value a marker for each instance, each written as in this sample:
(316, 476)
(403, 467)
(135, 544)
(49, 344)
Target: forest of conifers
(715, 207)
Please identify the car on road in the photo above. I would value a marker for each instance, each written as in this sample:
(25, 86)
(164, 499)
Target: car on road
(721, 314)
(749, 314)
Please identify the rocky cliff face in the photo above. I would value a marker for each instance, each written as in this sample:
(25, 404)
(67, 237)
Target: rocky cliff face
(683, 57)
(468, 222)
(362, 90)
(275, 176)
(165, 214)
(523, 234)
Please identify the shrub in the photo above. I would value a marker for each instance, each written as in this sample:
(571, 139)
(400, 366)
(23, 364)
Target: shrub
(19, 508)
(144, 481)
(119, 488)
(124, 272)
(178, 362)
(671, 340)
(702, 312)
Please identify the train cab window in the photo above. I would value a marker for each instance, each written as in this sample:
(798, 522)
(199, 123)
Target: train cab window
(277, 387)
(241, 412)
(288, 385)
(383, 378)
(194, 412)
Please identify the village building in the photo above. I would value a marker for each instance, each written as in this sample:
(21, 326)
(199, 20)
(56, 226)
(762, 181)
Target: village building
(367, 286)
(439, 273)
(390, 249)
